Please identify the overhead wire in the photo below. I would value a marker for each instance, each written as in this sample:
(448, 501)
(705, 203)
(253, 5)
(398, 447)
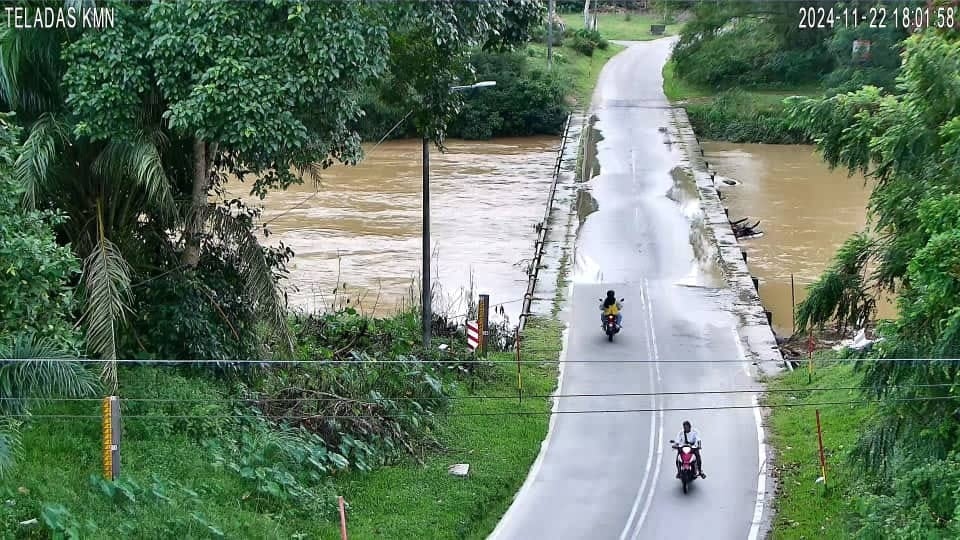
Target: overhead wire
(452, 361)
(325, 399)
(491, 413)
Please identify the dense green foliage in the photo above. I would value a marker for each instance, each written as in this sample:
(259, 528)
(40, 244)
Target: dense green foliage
(36, 273)
(737, 116)
(114, 220)
(908, 144)
(526, 101)
(742, 43)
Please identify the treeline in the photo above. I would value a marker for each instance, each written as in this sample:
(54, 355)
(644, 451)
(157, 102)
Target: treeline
(731, 47)
(906, 139)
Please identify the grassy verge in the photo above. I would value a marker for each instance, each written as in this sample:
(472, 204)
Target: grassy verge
(736, 115)
(414, 501)
(806, 509)
(623, 26)
(581, 72)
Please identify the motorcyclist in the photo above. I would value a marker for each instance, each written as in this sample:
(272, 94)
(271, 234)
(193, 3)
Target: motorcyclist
(691, 437)
(610, 306)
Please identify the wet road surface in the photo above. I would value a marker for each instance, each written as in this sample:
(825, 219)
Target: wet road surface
(611, 475)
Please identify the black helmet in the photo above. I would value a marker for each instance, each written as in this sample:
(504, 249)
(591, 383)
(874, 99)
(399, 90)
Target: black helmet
(686, 423)
(611, 294)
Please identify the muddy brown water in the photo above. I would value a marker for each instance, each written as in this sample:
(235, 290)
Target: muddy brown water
(363, 224)
(806, 212)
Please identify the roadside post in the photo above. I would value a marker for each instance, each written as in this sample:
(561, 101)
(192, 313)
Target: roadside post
(823, 457)
(809, 357)
(483, 320)
(343, 519)
(473, 335)
(519, 379)
(111, 437)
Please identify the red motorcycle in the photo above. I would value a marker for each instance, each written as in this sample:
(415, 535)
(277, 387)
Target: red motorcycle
(687, 463)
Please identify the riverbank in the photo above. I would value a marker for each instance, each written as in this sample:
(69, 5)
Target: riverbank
(806, 507)
(737, 115)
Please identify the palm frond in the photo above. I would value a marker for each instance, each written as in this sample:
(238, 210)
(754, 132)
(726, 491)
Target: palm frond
(259, 284)
(106, 282)
(43, 371)
(48, 373)
(34, 166)
(29, 69)
(139, 158)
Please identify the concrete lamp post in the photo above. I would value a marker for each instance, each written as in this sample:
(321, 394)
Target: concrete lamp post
(425, 288)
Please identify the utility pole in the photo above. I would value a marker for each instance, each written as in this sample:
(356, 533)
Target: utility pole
(425, 294)
(551, 11)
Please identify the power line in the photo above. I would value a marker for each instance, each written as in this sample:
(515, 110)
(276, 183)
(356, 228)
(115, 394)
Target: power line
(481, 414)
(492, 397)
(460, 362)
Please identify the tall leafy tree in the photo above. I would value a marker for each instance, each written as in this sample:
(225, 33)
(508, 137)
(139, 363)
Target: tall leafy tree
(132, 127)
(908, 145)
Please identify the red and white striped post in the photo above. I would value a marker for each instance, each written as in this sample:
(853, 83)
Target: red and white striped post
(473, 335)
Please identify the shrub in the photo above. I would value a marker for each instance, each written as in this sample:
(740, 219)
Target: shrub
(36, 272)
(524, 102)
(586, 41)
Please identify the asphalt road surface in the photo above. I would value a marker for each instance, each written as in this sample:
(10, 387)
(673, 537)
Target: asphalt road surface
(612, 475)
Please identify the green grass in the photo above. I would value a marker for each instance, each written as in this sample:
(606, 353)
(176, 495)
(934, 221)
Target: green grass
(619, 27)
(806, 509)
(581, 71)
(404, 501)
(678, 89)
(414, 501)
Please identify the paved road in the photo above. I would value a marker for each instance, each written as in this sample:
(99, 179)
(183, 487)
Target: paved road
(611, 476)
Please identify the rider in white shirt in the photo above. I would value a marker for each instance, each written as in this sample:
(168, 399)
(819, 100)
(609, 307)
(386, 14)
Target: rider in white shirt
(690, 436)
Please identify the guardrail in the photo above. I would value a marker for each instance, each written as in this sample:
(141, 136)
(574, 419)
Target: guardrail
(542, 229)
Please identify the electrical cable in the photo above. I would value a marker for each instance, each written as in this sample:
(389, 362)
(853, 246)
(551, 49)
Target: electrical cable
(484, 414)
(491, 397)
(461, 362)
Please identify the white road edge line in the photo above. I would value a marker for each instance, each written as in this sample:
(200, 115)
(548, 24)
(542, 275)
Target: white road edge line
(754, 533)
(627, 527)
(656, 470)
(538, 463)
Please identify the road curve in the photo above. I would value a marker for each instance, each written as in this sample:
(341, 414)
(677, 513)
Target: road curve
(611, 475)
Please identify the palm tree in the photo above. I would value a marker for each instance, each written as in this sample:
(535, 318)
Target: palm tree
(115, 193)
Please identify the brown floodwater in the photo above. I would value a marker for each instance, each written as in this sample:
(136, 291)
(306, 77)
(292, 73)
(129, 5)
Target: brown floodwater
(361, 227)
(806, 212)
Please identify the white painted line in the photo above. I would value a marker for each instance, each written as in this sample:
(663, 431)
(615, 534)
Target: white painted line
(627, 527)
(538, 463)
(656, 469)
(761, 476)
(757, 520)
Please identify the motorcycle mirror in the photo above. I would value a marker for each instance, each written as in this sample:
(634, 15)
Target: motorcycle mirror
(621, 299)
(672, 441)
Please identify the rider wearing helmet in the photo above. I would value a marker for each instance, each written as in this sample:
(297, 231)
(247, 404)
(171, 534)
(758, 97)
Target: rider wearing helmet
(691, 437)
(610, 306)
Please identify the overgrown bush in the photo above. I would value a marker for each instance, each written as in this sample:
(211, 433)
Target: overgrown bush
(585, 41)
(524, 102)
(36, 273)
(735, 116)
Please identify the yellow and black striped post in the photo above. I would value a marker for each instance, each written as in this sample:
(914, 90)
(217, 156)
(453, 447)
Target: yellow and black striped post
(111, 437)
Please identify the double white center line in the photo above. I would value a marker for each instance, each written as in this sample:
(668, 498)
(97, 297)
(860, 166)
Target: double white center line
(634, 522)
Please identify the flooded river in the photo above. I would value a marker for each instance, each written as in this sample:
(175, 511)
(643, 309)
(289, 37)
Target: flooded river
(805, 210)
(363, 224)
